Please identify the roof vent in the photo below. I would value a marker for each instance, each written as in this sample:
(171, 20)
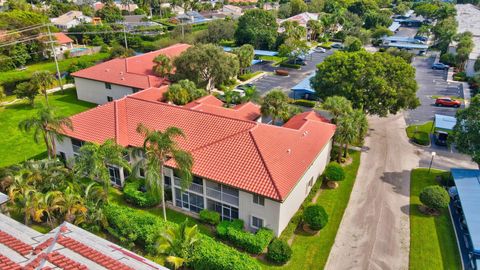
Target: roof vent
(289, 151)
(107, 70)
(121, 72)
(122, 78)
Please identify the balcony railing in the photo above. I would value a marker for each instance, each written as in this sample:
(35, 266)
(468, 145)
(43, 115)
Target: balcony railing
(193, 187)
(221, 196)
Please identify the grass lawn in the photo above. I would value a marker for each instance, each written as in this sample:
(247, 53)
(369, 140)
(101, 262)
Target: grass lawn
(115, 196)
(275, 59)
(420, 133)
(16, 75)
(432, 239)
(311, 252)
(16, 146)
(248, 76)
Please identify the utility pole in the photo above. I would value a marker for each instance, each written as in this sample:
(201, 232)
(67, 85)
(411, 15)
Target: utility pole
(125, 36)
(55, 57)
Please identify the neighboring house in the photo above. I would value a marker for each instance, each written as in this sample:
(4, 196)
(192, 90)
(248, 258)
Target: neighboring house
(232, 11)
(271, 6)
(243, 1)
(191, 17)
(64, 43)
(301, 18)
(124, 7)
(133, 21)
(65, 247)
(468, 18)
(242, 168)
(70, 19)
(122, 76)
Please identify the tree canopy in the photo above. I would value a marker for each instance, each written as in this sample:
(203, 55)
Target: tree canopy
(466, 133)
(206, 65)
(183, 92)
(377, 83)
(245, 55)
(257, 27)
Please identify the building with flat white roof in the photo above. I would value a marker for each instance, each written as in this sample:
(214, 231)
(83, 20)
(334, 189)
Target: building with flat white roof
(468, 18)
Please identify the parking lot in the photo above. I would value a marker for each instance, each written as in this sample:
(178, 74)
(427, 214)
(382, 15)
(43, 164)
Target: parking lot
(431, 83)
(270, 81)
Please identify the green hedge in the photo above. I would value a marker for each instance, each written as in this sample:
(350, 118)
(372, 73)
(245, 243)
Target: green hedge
(279, 251)
(326, 45)
(295, 66)
(304, 103)
(210, 217)
(252, 243)
(133, 195)
(248, 76)
(315, 216)
(135, 227)
(422, 138)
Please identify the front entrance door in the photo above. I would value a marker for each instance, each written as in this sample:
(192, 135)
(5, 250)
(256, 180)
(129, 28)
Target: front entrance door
(185, 201)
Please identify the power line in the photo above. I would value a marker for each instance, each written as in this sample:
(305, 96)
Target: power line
(20, 31)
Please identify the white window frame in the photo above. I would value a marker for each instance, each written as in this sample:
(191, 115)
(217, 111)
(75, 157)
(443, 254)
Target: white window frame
(256, 227)
(260, 200)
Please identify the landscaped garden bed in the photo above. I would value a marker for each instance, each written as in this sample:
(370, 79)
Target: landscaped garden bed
(420, 134)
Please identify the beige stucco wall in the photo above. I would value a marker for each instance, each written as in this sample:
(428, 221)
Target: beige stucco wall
(296, 197)
(95, 91)
(269, 212)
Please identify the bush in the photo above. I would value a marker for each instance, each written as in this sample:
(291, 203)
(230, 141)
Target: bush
(133, 194)
(334, 172)
(304, 103)
(326, 45)
(435, 197)
(248, 76)
(252, 243)
(422, 138)
(279, 251)
(210, 217)
(460, 76)
(315, 216)
(287, 65)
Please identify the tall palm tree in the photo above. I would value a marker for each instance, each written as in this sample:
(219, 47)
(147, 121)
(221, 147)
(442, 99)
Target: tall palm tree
(275, 105)
(158, 147)
(22, 194)
(94, 161)
(73, 208)
(178, 243)
(251, 94)
(345, 133)
(361, 128)
(337, 106)
(50, 204)
(42, 80)
(163, 65)
(46, 124)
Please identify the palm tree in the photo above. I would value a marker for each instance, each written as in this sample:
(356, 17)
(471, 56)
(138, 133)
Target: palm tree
(361, 128)
(94, 161)
(50, 204)
(42, 80)
(46, 174)
(351, 128)
(315, 27)
(178, 243)
(275, 105)
(46, 124)
(22, 196)
(337, 106)
(251, 94)
(163, 65)
(73, 208)
(158, 147)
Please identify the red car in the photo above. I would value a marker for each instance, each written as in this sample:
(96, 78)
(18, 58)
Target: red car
(447, 102)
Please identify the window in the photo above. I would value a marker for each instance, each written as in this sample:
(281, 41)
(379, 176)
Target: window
(257, 223)
(257, 199)
(108, 85)
(310, 183)
(141, 172)
(188, 201)
(135, 90)
(226, 212)
(76, 144)
(109, 99)
(168, 180)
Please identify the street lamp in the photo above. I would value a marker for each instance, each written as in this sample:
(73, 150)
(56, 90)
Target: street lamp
(431, 161)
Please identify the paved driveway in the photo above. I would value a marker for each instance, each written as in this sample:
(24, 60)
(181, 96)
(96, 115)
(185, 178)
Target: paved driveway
(270, 81)
(431, 83)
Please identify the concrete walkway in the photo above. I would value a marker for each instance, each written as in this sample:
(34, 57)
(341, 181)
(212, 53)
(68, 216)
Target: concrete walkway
(375, 229)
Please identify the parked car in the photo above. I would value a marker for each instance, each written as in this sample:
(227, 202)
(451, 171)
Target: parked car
(337, 45)
(320, 49)
(447, 102)
(440, 66)
(421, 53)
(245, 86)
(440, 138)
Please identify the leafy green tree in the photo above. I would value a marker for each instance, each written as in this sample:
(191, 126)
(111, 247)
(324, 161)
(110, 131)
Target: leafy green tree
(178, 244)
(466, 133)
(26, 90)
(183, 92)
(19, 54)
(110, 13)
(48, 125)
(380, 32)
(352, 44)
(476, 66)
(95, 159)
(42, 80)
(401, 8)
(275, 104)
(163, 66)
(426, 9)
(390, 86)
(361, 7)
(284, 11)
(245, 55)
(444, 32)
(316, 6)
(120, 51)
(434, 197)
(206, 65)
(464, 48)
(258, 28)
(298, 6)
(251, 94)
(158, 147)
(315, 28)
(218, 30)
(405, 55)
(375, 19)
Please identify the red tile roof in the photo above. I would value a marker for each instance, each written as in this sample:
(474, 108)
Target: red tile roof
(255, 157)
(62, 38)
(135, 71)
(211, 104)
(300, 119)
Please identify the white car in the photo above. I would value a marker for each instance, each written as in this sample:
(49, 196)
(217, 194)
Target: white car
(320, 50)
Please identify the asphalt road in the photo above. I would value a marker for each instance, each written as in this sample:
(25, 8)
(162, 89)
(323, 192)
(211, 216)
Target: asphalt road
(270, 81)
(375, 229)
(431, 83)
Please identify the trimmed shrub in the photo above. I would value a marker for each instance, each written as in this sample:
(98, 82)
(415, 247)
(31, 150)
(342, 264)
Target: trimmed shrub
(334, 172)
(315, 216)
(210, 217)
(133, 194)
(304, 103)
(252, 243)
(422, 138)
(434, 197)
(279, 251)
(287, 65)
(248, 76)
(210, 254)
